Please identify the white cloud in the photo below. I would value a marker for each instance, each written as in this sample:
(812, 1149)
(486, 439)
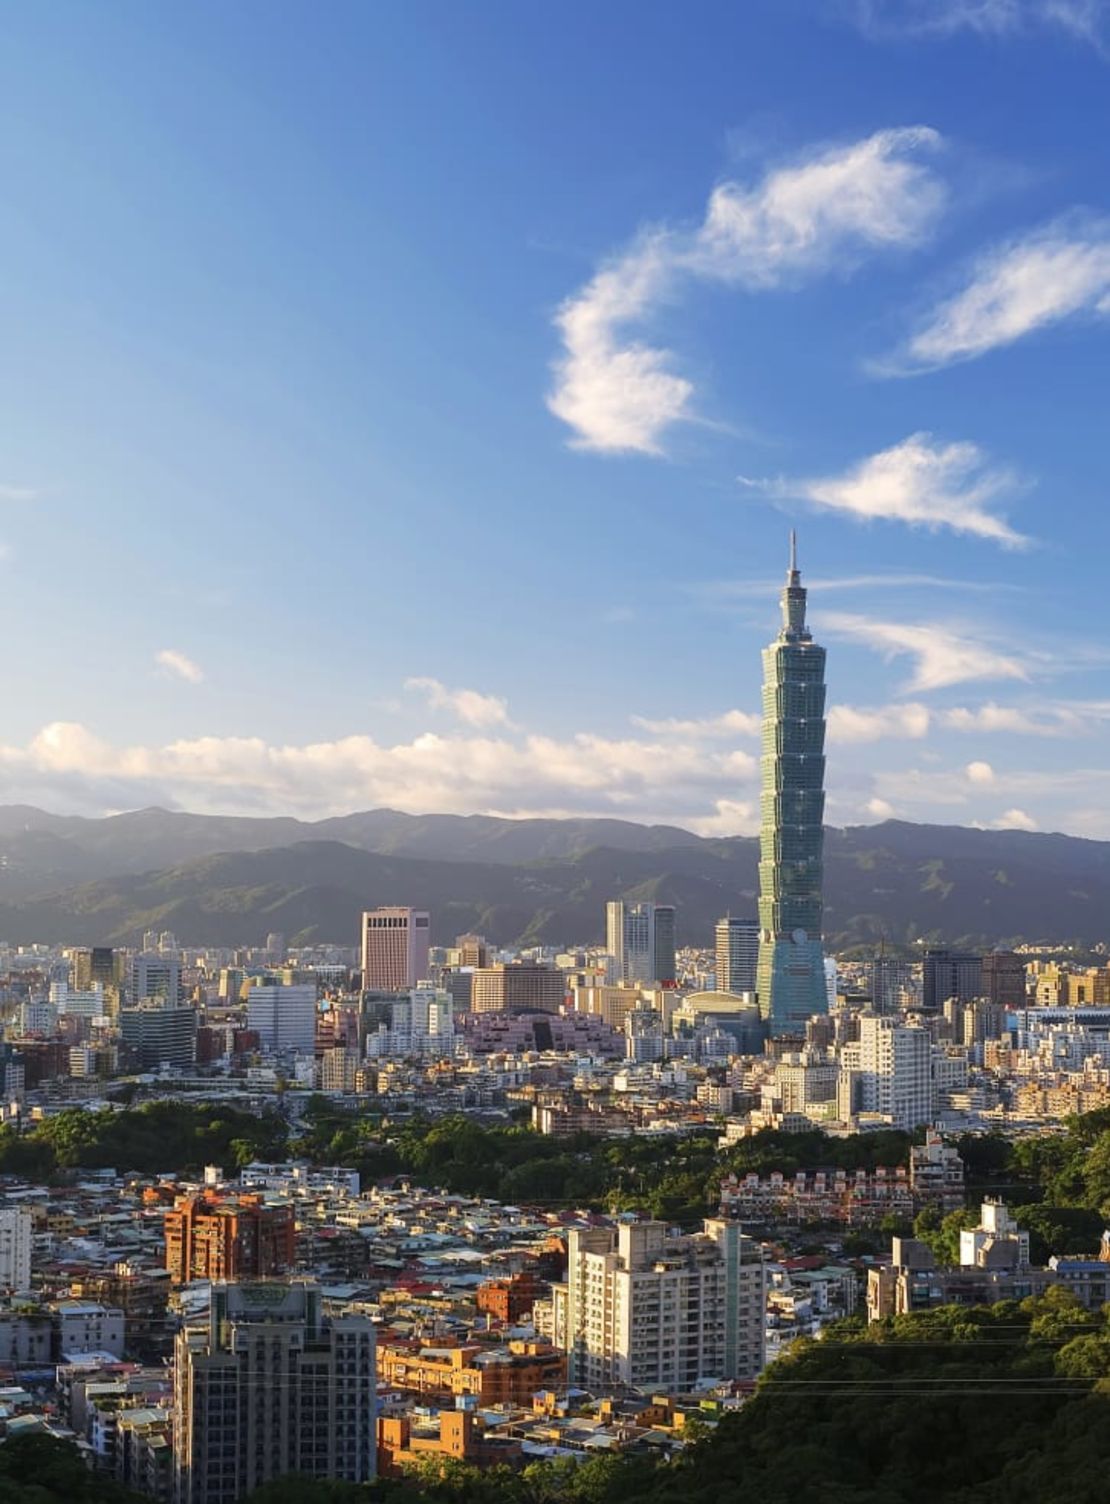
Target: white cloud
(1053, 274)
(178, 664)
(920, 482)
(618, 395)
(880, 808)
(1052, 720)
(17, 493)
(1084, 19)
(1014, 819)
(468, 705)
(848, 725)
(732, 723)
(979, 772)
(943, 656)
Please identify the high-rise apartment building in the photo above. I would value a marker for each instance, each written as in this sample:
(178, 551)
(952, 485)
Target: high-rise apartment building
(15, 1248)
(948, 973)
(267, 1386)
(394, 949)
(660, 1313)
(737, 951)
(790, 978)
(285, 1017)
(473, 950)
(641, 939)
(896, 1072)
(213, 1236)
(893, 982)
(515, 986)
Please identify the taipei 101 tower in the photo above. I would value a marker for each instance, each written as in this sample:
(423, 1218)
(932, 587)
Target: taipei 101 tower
(790, 979)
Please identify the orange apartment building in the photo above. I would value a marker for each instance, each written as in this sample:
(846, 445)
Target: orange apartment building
(214, 1236)
(509, 1299)
(452, 1433)
(508, 1375)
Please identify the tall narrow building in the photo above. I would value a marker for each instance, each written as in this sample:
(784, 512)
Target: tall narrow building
(790, 979)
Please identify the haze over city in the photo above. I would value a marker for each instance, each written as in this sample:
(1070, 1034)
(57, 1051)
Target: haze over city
(416, 418)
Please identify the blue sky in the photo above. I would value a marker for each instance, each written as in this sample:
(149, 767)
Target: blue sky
(408, 404)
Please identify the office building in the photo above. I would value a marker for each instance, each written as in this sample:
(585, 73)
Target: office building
(283, 1017)
(268, 1386)
(1004, 981)
(947, 973)
(213, 1236)
(997, 1243)
(894, 984)
(15, 1248)
(657, 1312)
(790, 980)
(155, 974)
(641, 939)
(895, 1072)
(517, 986)
(161, 1032)
(737, 950)
(473, 950)
(394, 949)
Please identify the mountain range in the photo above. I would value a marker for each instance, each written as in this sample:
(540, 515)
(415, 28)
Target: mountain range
(216, 880)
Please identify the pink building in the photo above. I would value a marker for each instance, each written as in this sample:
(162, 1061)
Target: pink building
(394, 949)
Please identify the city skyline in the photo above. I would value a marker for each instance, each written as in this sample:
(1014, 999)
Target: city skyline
(804, 245)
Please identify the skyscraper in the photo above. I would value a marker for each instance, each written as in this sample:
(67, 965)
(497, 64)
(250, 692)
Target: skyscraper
(790, 978)
(394, 949)
(737, 951)
(640, 938)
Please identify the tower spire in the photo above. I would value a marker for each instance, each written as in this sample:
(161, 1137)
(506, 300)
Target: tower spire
(793, 552)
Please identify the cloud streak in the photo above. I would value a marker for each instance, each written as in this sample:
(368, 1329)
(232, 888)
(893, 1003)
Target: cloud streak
(919, 482)
(1084, 19)
(1056, 273)
(619, 395)
(179, 665)
(942, 655)
(467, 705)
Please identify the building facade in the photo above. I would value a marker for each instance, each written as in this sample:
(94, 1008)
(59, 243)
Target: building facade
(650, 1311)
(394, 948)
(508, 986)
(284, 1017)
(641, 939)
(790, 979)
(737, 953)
(269, 1386)
(211, 1236)
(15, 1248)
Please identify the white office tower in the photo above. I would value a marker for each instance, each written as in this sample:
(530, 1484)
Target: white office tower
(895, 1072)
(641, 939)
(285, 1017)
(832, 981)
(36, 1016)
(15, 1248)
(737, 954)
(422, 1023)
(154, 974)
(659, 1313)
(86, 1003)
(268, 1386)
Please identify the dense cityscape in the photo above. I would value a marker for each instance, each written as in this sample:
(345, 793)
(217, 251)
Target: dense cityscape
(382, 1211)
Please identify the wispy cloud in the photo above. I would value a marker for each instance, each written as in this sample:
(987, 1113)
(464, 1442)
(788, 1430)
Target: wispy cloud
(942, 655)
(178, 664)
(731, 723)
(1058, 272)
(18, 493)
(1085, 19)
(468, 705)
(919, 482)
(618, 395)
(890, 580)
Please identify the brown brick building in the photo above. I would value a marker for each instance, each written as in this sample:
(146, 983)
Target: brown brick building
(508, 1375)
(509, 1299)
(212, 1236)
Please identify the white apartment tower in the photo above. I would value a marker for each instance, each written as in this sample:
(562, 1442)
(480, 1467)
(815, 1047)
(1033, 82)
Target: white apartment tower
(896, 1072)
(15, 1248)
(394, 949)
(269, 1386)
(643, 1309)
(737, 953)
